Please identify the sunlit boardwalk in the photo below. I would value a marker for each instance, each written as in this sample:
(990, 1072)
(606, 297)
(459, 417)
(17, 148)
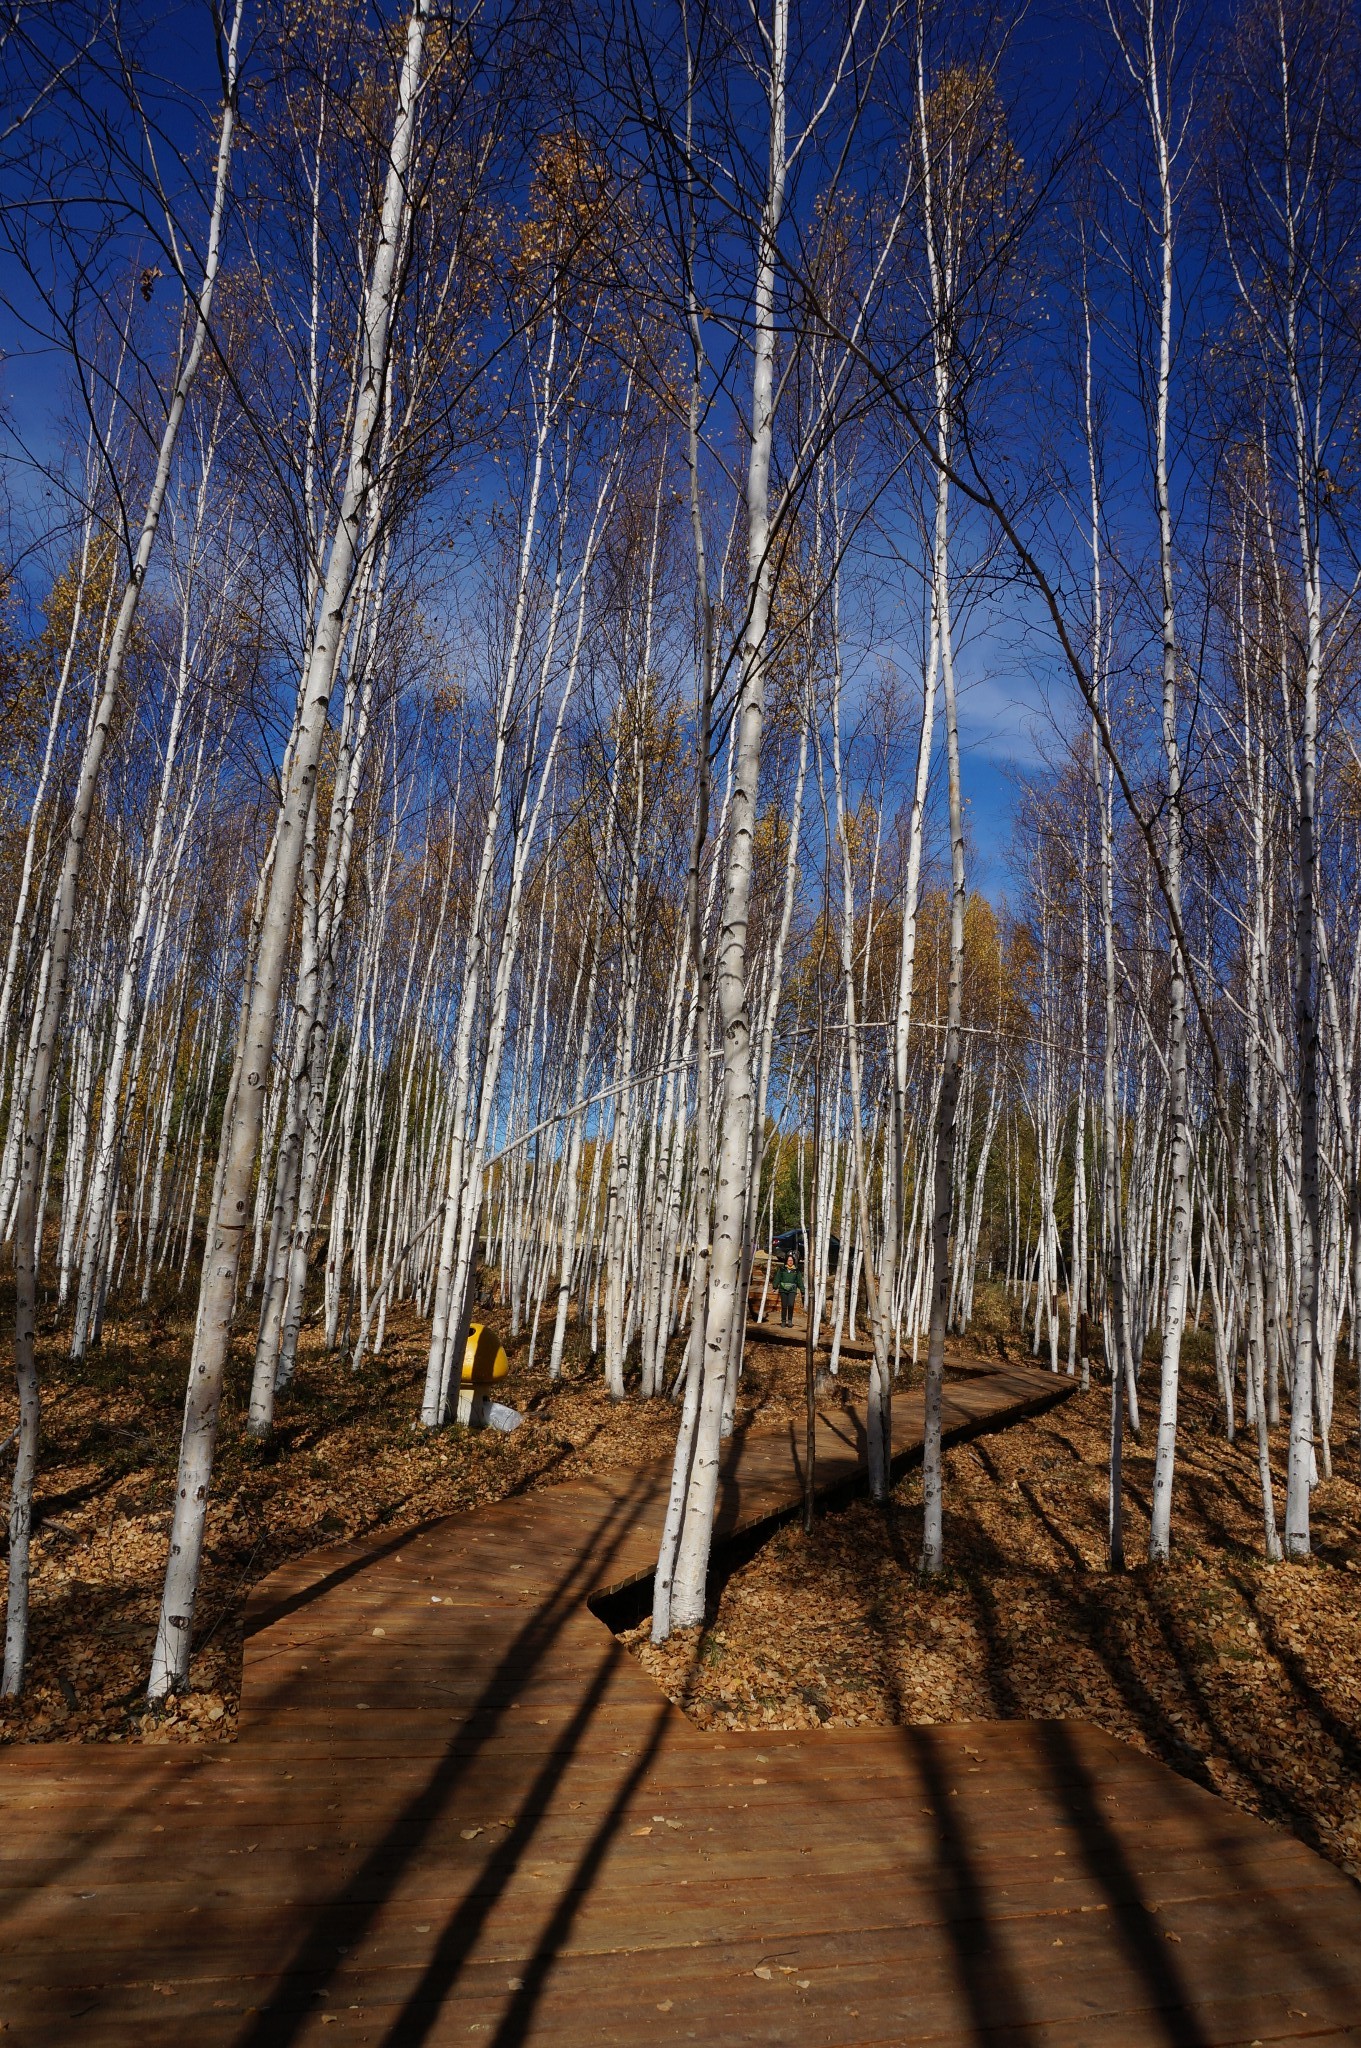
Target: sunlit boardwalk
(459, 1811)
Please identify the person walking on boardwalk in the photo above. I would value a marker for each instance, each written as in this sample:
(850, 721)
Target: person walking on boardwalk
(788, 1281)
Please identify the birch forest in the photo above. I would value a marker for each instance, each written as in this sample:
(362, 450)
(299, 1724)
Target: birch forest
(515, 524)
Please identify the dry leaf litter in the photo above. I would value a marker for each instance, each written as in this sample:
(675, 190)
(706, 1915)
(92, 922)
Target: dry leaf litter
(347, 1458)
(1244, 1677)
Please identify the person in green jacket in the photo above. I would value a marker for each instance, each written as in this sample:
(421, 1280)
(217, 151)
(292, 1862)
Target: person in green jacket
(788, 1281)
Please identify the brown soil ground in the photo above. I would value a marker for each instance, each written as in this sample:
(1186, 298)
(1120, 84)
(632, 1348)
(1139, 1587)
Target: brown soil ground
(1243, 1677)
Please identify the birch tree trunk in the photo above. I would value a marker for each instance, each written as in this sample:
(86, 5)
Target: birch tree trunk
(682, 1464)
(1153, 81)
(170, 1660)
(28, 1221)
(933, 1538)
(941, 258)
(692, 1562)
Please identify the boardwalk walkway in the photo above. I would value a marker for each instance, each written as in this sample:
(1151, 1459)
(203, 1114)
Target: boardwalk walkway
(458, 1812)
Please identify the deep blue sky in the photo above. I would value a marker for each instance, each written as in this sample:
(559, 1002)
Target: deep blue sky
(1006, 719)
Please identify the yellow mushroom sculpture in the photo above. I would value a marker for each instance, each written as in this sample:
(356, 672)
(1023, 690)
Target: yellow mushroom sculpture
(484, 1363)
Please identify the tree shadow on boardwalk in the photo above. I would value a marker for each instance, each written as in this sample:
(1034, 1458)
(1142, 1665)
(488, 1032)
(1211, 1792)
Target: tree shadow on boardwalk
(422, 2009)
(988, 1985)
(347, 1916)
(1171, 2000)
(1167, 1993)
(514, 2028)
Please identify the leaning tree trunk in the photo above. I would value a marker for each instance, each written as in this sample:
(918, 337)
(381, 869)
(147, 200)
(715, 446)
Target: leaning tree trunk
(683, 1459)
(170, 1661)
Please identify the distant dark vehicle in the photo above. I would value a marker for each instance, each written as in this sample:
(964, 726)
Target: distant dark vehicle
(792, 1241)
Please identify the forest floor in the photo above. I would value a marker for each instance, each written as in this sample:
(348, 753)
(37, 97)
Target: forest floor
(347, 1458)
(1245, 1678)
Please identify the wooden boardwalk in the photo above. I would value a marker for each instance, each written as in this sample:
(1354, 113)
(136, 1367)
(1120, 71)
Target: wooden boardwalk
(457, 1811)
